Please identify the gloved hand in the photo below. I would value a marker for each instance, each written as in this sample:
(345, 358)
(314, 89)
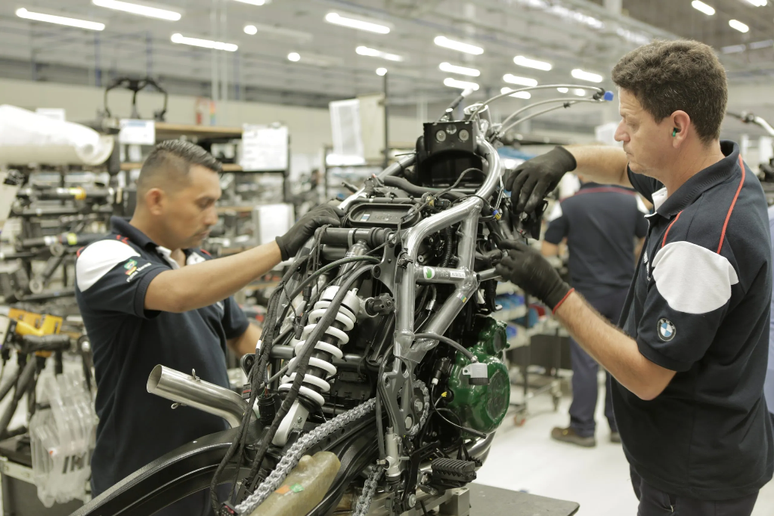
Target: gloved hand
(531, 181)
(527, 268)
(304, 229)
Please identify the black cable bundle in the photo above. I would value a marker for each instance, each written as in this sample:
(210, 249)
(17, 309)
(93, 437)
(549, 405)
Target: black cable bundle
(256, 379)
(302, 358)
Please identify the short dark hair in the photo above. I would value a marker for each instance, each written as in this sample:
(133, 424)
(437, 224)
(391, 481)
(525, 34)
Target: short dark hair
(667, 76)
(170, 161)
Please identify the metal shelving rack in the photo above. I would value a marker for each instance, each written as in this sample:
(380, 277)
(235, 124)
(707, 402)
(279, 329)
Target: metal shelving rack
(207, 135)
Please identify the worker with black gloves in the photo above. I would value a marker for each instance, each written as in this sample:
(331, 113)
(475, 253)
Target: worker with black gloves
(603, 226)
(690, 362)
(149, 295)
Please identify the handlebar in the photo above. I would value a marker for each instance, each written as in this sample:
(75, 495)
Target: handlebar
(750, 118)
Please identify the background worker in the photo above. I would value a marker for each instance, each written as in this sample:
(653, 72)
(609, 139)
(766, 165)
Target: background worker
(690, 362)
(149, 295)
(604, 226)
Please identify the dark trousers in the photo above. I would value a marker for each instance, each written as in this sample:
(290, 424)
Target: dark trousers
(654, 502)
(584, 372)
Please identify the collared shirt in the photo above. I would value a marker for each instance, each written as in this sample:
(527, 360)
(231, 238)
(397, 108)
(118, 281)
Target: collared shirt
(769, 384)
(112, 278)
(699, 305)
(600, 223)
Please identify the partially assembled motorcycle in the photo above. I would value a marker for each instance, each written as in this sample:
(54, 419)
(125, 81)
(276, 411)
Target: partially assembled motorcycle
(379, 381)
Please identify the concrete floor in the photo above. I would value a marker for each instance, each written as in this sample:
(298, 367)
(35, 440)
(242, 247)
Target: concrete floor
(525, 458)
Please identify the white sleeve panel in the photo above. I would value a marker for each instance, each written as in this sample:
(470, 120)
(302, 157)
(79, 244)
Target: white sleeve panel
(98, 259)
(693, 279)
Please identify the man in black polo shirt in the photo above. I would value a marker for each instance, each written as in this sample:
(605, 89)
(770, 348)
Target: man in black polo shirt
(601, 224)
(690, 362)
(149, 295)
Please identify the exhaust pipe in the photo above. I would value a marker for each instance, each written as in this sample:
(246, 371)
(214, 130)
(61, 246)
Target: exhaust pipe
(194, 392)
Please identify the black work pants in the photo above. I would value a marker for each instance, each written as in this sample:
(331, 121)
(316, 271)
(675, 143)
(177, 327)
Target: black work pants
(654, 502)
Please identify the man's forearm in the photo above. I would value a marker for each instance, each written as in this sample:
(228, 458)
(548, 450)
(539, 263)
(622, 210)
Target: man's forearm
(613, 349)
(601, 164)
(203, 284)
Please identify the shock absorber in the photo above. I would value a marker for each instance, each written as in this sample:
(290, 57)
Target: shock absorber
(321, 368)
(321, 362)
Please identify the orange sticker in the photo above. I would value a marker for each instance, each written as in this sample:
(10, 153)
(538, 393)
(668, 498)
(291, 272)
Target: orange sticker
(282, 490)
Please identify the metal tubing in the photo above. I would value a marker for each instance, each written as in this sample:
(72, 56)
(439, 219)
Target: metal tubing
(194, 392)
(468, 210)
(27, 375)
(487, 275)
(430, 275)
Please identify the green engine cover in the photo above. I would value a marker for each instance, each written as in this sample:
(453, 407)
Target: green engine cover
(482, 407)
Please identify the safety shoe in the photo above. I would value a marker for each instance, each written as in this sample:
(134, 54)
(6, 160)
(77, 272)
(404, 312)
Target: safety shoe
(568, 435)
(615, 437)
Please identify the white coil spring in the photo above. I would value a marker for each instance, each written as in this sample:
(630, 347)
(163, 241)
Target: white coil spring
(346, 316)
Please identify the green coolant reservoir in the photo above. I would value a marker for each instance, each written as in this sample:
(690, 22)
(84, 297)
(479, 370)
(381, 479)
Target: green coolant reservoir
(482, 407)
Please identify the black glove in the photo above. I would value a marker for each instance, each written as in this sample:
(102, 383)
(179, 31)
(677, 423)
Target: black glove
(304, 229)
(527, 268)
(531, 181)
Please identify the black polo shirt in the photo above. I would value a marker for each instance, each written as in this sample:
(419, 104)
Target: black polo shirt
(600, 223)
(699, 305)
(135, 427)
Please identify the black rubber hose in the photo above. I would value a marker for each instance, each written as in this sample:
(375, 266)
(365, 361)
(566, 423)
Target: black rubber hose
(303, 362)
(418, 191)
(448, 251)
(256, 379)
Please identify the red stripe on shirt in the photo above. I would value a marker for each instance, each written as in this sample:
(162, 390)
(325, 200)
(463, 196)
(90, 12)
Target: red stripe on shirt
(663, 242)
(733, 203)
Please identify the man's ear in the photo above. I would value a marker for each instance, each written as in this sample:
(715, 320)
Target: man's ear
(155, 201)
(680, 123)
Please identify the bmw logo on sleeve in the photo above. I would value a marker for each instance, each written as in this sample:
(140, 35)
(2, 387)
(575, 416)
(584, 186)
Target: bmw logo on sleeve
(666, 330)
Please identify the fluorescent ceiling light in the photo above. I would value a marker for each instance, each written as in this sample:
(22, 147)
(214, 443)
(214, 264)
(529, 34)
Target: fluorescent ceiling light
(701, 6)
(532, 63)
(459, 46)
(586, 76)
(203, 43)
(59, 20)
(562, 90)
(141, 10)
(356, 23)
(517, 94)
(522, 81)
(576, 16)
(757, 3)
(381, 72)
(736, 24)
(462, 70)
(273, 30)
(254, 2)
(314, 59)
(761, 44)
(579, 92)
(733, 49)
(372, 52)
(637, 38)
(463, 85)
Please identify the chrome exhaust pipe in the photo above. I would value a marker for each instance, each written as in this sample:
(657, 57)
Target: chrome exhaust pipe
(194, 392)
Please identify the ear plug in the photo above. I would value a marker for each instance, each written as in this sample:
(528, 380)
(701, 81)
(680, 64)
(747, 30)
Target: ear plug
(674, 132)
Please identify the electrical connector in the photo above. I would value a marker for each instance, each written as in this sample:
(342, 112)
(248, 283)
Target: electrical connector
(477, 373)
